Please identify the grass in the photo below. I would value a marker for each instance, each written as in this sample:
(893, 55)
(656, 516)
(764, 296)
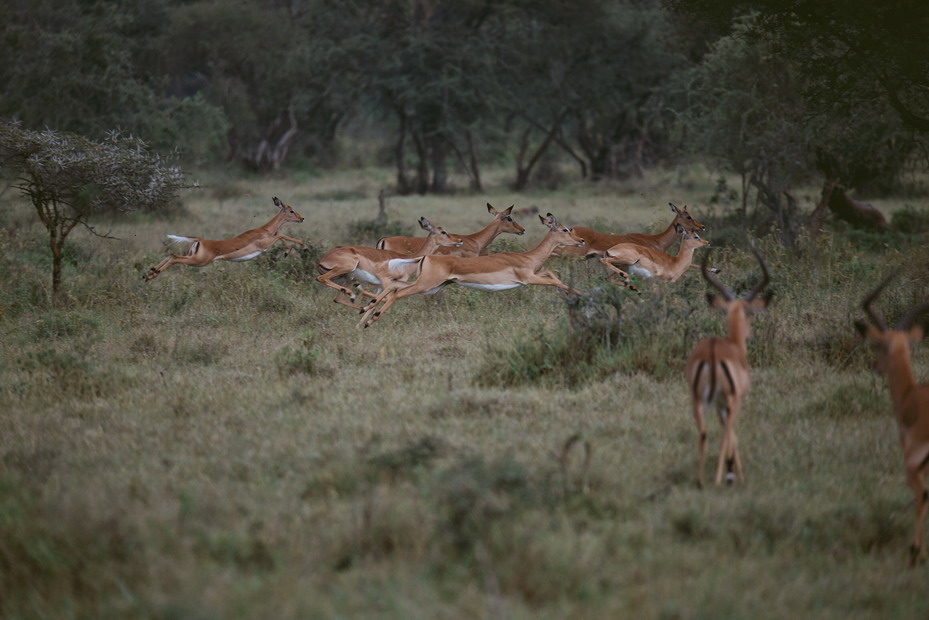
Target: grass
(222, 442)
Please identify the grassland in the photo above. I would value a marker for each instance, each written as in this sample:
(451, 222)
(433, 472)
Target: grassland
(223, 442)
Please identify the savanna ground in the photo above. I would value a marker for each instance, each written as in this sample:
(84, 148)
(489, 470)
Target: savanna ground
(223, 442)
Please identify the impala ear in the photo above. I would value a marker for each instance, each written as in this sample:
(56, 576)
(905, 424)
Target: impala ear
(425, 225)
(549, 220)
(508, 210)
(679, 229)
(673, 208)
(491, 210)
(278, 203)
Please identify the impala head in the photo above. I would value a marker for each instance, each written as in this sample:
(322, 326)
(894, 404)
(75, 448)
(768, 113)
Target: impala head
(738, 309)
(445, 238)
(287, 211)
(889, 342)
(683, 218)
(691, 239)
(507, 223)
(566, 236)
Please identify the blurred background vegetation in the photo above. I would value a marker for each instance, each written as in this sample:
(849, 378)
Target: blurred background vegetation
(780, 93)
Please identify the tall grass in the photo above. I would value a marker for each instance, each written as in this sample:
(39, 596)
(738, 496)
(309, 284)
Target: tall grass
(224, 442)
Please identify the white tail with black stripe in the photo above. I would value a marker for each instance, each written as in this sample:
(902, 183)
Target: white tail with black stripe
(718, 373)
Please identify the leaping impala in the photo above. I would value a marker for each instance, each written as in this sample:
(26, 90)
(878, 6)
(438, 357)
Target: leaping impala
(650, 263)
(595, 243)
(910, 400)
(717, 371)
(495, 272)
(370, 265)
(472, 245)
(246, 246)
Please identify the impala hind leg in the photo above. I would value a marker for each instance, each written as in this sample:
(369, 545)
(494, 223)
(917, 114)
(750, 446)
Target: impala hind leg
(701, 439)
(724, 449)
(917, 482)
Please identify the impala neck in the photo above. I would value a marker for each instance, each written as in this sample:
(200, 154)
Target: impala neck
(685, 256)
(739, 331)
(667, 237)
(429, 246)
(541, 252)
(275, 224)
(899, 375)
(484, 236)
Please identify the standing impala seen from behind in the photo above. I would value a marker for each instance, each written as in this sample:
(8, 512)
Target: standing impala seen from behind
(495, 272)
(910, 400)
(718, 374)
(246, 246)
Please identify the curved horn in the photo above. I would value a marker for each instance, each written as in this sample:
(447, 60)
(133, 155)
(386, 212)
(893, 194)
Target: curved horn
(907, 321)
(716, 283)
(764, 273)
(866, 304)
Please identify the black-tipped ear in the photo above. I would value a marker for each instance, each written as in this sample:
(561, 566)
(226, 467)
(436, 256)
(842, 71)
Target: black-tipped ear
(508, 210)
(679, 229)
(277, 202)
(424, 224)
(490, 209)
(674, 208)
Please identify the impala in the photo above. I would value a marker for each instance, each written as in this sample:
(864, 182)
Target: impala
(718, 374)
(370, 265)
(650, 263)
(472, 245)
(910, 400)
(246, 246)
(596, 243)
(496, 272)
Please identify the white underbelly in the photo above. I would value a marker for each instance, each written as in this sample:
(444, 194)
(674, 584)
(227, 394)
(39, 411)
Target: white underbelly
(248, 256)
(364, 276)
(640, 271)
(489, 287)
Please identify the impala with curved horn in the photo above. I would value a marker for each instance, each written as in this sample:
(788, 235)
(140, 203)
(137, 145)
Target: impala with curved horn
(371, 266)
(495, 272)
(910, 400)
(471, 245)
(718, 373)
(246, 246)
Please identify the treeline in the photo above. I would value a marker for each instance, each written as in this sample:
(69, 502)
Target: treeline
(780, 92)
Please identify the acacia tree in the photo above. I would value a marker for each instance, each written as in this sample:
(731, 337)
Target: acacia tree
(69, 178)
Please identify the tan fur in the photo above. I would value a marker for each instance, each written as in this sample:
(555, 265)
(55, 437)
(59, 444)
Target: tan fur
(471, 245)
(205, 251)
(503, 268)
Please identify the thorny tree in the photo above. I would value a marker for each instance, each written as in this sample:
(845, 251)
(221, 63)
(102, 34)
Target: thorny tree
(69, 178)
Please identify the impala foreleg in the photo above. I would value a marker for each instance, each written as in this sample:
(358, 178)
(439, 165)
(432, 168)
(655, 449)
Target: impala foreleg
(618, 273)
(548, 278)
(287, 241)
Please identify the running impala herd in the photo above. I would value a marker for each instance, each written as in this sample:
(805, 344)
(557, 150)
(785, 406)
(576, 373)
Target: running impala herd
(717, 371)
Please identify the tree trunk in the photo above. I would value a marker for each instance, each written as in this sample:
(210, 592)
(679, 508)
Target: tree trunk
(439, 171)
(403, 182)
(523, 172)
(422, 165)
(56, 243)
(475, 171)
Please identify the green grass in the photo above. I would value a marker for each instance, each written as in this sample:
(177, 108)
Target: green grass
(223, 442)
